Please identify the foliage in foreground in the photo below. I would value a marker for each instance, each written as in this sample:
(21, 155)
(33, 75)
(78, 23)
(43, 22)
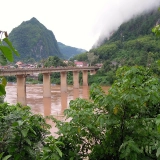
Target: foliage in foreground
(24, 135)
(120, 125)
(6, 54)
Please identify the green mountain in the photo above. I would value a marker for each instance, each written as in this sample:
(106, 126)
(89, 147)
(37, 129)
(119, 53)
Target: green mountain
(33, 40)
(69, 51)
(132, 44)
(138, 26)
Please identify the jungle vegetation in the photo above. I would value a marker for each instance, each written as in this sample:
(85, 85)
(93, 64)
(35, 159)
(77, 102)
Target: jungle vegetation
(123, 124)
(132, 44)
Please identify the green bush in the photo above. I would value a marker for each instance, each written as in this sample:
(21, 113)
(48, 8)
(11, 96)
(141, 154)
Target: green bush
(120, 125)
(24, 135)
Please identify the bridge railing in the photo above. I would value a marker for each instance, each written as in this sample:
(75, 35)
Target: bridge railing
(12, 71)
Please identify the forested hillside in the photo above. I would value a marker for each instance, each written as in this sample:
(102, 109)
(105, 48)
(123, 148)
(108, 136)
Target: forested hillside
(132, 44)
(33, 40)
(138, 26)
(69, 51)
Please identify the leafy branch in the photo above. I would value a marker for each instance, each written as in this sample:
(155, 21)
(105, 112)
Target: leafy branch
(6, 54)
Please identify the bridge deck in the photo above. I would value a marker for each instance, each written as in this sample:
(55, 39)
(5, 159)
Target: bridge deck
(31, 71)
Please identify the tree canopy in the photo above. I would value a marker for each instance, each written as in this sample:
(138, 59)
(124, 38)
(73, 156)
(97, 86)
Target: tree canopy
(117, 125)
(6, 54)
(132, 44)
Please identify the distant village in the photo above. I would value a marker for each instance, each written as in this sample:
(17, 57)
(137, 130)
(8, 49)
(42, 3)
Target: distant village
(21, 65)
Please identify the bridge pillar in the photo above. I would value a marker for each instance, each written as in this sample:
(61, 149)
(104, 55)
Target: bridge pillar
(21, 89)
(85, 78)
(46, 85)
(76, 79)
(63, 81)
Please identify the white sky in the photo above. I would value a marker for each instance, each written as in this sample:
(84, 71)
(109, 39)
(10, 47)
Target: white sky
(77, 23)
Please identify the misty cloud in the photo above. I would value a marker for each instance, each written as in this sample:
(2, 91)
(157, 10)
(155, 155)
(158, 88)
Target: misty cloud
(116, 12)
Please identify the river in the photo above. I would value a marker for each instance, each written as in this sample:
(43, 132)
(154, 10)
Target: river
(47, 106)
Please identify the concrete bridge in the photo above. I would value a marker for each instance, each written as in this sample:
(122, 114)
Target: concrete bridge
(21, 75)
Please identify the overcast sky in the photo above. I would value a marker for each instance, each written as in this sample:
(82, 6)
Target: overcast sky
(77, 23)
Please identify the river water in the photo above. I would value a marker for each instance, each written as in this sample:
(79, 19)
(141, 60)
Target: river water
(48, 106)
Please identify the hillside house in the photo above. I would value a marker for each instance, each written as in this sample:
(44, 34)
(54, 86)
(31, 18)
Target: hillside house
(4, 67)
(19, 64)
(65, 61)
(80, 64)
(23, 65)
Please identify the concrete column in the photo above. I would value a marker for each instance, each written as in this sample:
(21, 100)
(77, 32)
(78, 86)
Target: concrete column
(21, 89)
(46, 85)
(75, 79)
(63, 81)
(85, 78)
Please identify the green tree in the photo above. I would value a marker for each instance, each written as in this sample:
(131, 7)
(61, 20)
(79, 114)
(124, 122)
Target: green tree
(92, 58)
(119, 125)
(24, 135)
(6, 54)
(80, 57)
(54, 61)
(156, 30)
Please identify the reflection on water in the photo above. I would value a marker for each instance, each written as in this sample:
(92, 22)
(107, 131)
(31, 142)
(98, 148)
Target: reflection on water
(47, 106)
(85, 90)
(55, 105)
(75, 93)
(64, 104)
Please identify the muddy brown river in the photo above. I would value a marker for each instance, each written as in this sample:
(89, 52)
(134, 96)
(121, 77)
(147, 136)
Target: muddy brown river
(48, 106)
